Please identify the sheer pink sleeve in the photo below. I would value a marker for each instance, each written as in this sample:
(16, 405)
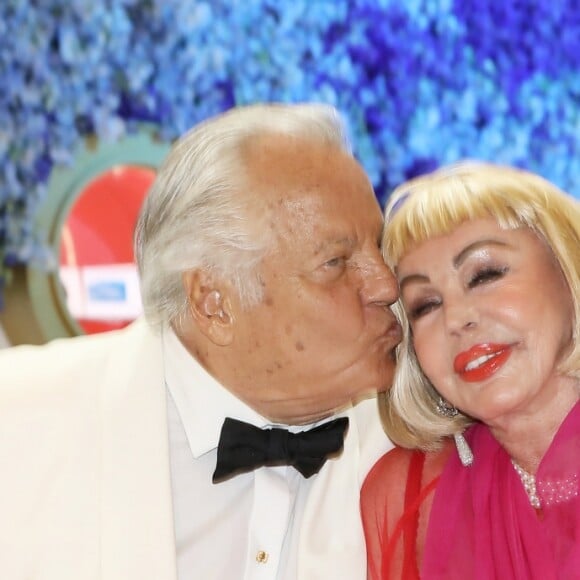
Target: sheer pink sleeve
(395, 504)
(382, 503)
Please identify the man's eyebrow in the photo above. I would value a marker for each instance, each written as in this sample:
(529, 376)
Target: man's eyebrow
(330, 242)
(468, 250)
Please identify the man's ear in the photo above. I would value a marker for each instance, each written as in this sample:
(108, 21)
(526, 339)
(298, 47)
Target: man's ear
(210, 306)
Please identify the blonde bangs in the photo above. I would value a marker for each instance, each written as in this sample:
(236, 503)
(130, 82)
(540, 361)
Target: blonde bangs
(436, 204)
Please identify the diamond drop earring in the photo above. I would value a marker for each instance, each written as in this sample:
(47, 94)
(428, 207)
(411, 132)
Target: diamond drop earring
(445, 409)
(463, 450)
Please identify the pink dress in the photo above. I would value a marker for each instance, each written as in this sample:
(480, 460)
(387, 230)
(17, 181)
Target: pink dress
(426, 516)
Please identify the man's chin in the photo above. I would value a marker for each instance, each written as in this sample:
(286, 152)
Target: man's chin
(371, 394)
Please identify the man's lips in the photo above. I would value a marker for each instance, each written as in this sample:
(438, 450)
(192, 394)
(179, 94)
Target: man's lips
(392, 336)
(395, 332)
(481, 361)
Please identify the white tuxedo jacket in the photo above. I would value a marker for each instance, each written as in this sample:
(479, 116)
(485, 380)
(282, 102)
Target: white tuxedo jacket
(85, 489)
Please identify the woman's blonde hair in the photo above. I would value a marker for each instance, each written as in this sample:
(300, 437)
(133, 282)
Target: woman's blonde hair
(436, 204)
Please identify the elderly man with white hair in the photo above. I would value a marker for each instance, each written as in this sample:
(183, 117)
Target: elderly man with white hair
(227, 434)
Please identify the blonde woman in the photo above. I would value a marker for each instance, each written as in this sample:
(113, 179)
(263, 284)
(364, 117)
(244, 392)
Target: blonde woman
(485, 483)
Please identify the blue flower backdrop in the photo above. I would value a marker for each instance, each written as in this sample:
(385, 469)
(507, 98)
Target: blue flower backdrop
(421, 82)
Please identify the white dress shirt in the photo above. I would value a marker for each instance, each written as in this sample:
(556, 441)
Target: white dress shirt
(94, 460)
(244, 528)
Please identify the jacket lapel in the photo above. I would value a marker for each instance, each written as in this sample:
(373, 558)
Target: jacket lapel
(137, 514)
(332, 541)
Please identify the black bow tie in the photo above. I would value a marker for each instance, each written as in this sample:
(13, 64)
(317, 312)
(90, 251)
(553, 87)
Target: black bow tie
(243, 447)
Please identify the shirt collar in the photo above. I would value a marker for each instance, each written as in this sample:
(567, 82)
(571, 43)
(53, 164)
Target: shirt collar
(201, 401)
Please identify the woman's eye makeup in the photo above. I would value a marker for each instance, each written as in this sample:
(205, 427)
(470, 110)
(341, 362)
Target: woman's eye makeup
(486, 274)
(480, 276)
(422, 307)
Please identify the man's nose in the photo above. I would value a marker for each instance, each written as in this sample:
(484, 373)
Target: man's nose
(380, 285)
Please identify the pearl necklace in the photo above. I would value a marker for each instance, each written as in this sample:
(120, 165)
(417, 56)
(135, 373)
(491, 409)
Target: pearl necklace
(529, 483)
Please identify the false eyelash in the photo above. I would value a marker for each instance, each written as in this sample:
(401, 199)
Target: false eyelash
(486, 275)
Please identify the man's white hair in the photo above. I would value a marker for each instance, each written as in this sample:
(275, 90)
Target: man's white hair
(194, 216)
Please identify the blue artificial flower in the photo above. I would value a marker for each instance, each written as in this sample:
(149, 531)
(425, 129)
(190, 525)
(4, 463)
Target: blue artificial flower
(421, 83)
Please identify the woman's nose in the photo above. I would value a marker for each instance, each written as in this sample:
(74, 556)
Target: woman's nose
(460, 315)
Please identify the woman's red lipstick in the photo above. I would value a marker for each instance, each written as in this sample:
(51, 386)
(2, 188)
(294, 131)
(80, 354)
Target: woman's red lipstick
(481, 361)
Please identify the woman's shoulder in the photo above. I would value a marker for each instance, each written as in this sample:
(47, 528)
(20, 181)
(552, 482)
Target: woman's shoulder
(384, 487)
(392, 465)
(396, 496)
(391, 471)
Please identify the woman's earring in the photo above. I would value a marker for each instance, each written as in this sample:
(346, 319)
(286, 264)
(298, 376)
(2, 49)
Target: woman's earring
(445, 409)
(463, 449)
